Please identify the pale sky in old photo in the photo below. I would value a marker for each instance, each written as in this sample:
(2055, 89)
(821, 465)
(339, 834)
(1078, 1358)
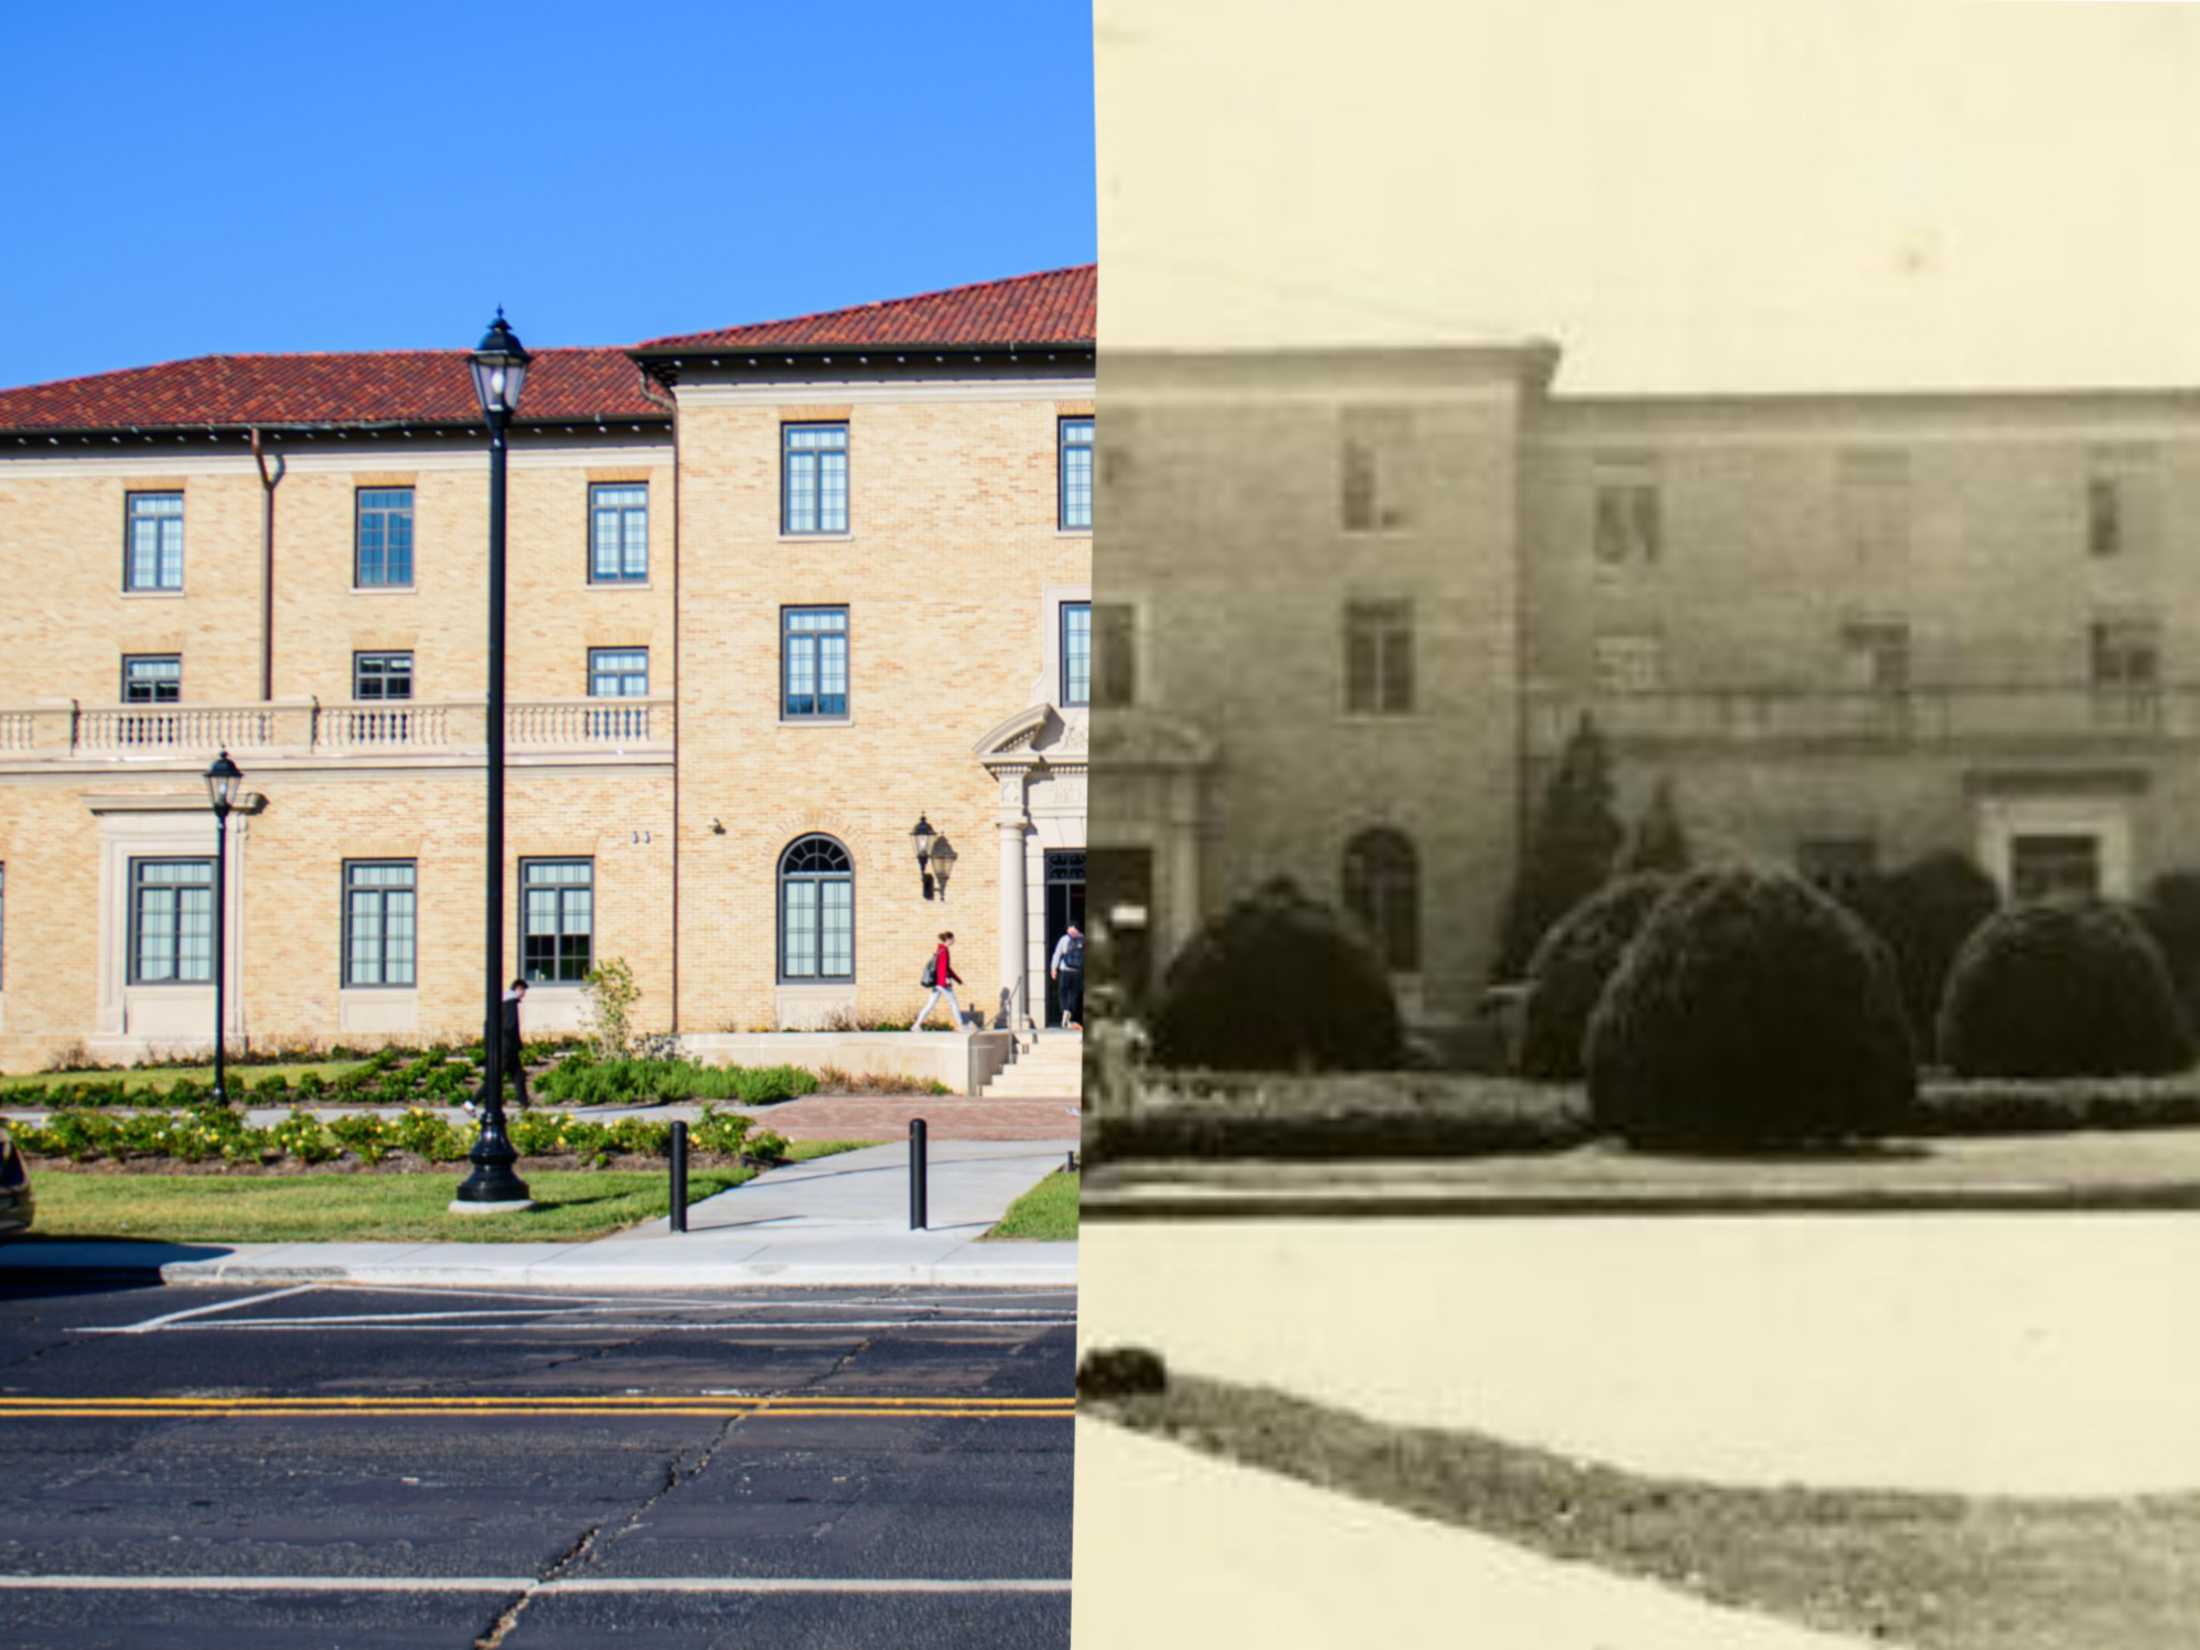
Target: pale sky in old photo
(1697, 195)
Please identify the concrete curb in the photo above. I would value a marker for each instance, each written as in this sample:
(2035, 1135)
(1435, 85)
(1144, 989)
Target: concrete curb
(1005, 1274)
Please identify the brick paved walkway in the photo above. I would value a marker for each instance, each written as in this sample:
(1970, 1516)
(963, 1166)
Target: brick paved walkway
(946, 1117)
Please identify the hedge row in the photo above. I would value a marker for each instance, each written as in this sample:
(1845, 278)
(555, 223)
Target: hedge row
(207, 1133)
(582, 1081)
(1210, 1115)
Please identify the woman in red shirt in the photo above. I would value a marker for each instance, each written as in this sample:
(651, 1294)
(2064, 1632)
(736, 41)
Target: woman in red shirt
(943, 979)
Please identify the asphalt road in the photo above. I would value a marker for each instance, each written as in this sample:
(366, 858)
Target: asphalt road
(351, 1469)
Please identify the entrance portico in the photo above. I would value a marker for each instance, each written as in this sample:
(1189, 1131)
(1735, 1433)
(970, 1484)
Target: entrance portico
(1150, 872)
(1037, 759)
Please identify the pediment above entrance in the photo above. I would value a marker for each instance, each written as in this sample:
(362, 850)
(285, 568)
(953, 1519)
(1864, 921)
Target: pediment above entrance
(1040, 733)
(1140, 738)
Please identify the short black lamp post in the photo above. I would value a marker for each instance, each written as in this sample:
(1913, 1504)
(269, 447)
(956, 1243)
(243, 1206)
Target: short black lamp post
(222, 781)
(500, 371)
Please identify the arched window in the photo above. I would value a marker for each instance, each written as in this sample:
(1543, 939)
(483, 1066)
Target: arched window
(817, 911)
(1382, 891)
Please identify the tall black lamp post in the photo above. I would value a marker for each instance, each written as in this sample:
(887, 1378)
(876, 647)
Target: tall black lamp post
(500, 371)
(222, 781)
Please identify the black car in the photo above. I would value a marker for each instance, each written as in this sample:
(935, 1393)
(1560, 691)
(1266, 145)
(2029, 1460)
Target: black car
(15, 1187)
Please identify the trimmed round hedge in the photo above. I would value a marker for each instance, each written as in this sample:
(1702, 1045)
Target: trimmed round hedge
(1752, 1010)
(1277, 983)
(2063, 990)
(1570, 970)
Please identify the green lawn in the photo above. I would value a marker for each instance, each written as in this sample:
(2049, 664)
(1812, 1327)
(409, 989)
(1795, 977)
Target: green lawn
(162, 1076)
(1045, 1214)
(1931, 1572)
(355, 1207)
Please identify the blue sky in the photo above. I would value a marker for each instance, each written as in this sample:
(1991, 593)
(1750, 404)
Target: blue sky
(263, 177)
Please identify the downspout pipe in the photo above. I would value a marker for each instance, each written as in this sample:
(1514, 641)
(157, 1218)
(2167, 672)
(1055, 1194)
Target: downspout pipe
(271, 475)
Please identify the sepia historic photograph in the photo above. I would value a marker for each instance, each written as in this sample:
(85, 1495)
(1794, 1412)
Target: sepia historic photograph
(1644, 903)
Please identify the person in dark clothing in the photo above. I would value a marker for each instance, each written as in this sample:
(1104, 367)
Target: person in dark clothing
(509, 1036)
(1068, 969)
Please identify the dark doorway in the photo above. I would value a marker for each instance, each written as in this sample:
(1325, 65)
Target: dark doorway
(1122, 926)
(1065, 905)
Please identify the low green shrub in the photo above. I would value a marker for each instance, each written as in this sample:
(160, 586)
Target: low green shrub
(1571, 967)
(581, 1081)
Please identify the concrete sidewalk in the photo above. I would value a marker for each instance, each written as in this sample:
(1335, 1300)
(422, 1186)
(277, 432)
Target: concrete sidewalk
(1203, 1551)
(841, 1220)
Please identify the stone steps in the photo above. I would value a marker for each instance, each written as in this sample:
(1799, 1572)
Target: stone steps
(1053, 1069)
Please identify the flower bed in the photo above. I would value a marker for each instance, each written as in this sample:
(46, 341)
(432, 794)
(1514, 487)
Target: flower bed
(215, 1134)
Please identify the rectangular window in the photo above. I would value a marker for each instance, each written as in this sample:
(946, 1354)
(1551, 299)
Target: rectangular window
(1629, 514)
(1838, 864)
(813, 482)
(618, 533)
(153, 543)
(152, 678)
(1630, 663)
(381, 676)
(618, 673)
(2054, 867)
(2127, 653)
(1076, 653)
(381, 921)
(383, 553)
(1378, 657)
(1074, 439)
(3, 926)
(171, 921)
(1875, 504)
(1371, 468)
(2120, 499)
(813, 662)
(557, 919)
(1114, 654)
(1877, 652)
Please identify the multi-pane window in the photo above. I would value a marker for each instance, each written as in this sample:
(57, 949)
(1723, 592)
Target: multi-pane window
(1630, 662)
(2055, 866)
(1075, 464)
(1877, 652)
(171, 921)
(1378, 657)
(618, 673)
(1629, 515)
(1875, 504)
(1840, 865)
(1382, 890)
(1114, 654)
(381, 922)
(2120, 493)
(377, 676)
(618, 532)
(1076, 653)
(817, 911)
(383, 554)
(557, 919)
(813, 486)
(3, 926)
(152, 678)
(813, 661)
(2127, 654)
(153, 545)
(1371, 468)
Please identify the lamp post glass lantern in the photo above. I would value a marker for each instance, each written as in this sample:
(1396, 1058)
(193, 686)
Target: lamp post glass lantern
(922, 836)
(500, 373)
(223, 780)
(943, 864)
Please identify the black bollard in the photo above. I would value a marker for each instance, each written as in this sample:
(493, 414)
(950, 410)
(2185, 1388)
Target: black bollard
(916, 1174)
(679, 1177)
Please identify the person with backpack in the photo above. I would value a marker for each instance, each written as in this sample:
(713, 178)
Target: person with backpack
(1067, 970)
(940, 976)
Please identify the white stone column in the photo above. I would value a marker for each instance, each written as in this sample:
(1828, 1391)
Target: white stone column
(1013, 966)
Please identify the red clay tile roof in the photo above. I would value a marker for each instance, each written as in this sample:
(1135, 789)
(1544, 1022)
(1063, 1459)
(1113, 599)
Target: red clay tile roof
(1057, 307)
(383, 387)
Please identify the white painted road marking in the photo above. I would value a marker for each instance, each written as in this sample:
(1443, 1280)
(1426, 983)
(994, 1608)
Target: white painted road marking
(162, 1322)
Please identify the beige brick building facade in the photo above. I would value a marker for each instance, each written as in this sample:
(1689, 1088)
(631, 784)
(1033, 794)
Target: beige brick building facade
(664, 605)
(1366, 596)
